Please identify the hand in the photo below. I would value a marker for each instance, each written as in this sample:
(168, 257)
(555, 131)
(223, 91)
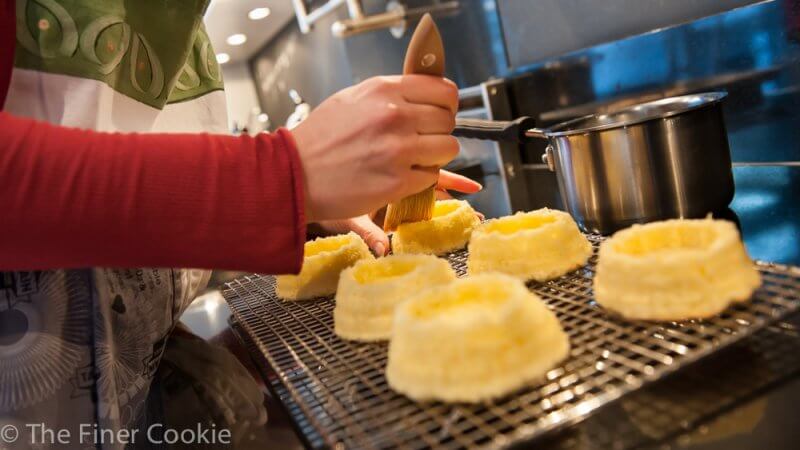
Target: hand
(375, 143)
(373, 233)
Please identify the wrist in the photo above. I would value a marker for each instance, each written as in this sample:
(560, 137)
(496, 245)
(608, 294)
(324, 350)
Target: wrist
(298, 141)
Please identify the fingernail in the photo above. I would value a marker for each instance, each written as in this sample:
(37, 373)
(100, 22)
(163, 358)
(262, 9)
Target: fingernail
(380, 249)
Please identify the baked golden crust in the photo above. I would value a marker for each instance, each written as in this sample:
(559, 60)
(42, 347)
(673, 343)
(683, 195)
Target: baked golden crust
(474, 339)
(323, 261)
(537, 245)
(370, 291)
(448, 230)
(674, 270)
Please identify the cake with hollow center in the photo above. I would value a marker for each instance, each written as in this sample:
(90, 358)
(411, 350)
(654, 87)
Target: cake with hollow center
(370, 291)
(537, 245)
(474, 339)
(674, 270)
(323, 260)
(448, 230)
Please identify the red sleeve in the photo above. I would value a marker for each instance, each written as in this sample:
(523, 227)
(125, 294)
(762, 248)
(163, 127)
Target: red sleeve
(73, 198)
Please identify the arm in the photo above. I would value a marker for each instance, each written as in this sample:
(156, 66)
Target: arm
(74, 198)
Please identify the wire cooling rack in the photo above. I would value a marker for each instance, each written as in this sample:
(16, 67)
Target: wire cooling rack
(341, 389)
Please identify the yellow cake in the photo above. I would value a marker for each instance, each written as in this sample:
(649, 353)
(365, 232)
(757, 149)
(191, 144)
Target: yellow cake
(323, 260)
(370, 290)
(674, 270)
(474, 339)
(537, 245)
(448, 230)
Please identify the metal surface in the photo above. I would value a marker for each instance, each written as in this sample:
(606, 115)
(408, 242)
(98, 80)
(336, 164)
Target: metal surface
(394, 19)
(306, 19)
(718, 404)
(633, 166)
(534, 31)
(341, 389)
(730, 81)
(498, 104)
(547, 158)
(692, 407)
(632, 115)
(657, 160)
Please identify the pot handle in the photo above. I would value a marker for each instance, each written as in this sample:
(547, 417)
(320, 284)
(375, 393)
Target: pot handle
(495, 130)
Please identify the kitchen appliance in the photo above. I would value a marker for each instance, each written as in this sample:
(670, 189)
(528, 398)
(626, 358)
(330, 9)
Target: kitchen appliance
(662, 159)
(337, 390)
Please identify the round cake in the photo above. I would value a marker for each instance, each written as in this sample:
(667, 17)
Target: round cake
(370, 291)
(674, 270)
(537, 245)
(448, 230)
(323, 261)
(472, 340)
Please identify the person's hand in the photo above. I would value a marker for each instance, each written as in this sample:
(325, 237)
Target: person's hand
(373, 233)
(375, 143)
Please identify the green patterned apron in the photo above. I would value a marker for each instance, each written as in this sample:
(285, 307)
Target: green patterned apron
(81, 346)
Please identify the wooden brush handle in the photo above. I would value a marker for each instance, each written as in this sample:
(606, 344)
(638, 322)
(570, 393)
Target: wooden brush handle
(425, 56)
(425, 53)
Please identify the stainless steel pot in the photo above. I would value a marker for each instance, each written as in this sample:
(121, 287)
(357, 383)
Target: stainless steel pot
(663, 159)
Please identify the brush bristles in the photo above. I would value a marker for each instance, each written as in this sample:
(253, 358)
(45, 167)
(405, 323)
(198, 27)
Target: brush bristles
(413, 208)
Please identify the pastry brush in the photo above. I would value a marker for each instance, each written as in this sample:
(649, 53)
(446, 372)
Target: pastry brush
(425, 55)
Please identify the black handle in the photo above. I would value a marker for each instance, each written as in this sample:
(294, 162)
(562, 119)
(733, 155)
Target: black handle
(494, 130)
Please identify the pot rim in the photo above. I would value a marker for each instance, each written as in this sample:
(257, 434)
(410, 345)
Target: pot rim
(644, 112)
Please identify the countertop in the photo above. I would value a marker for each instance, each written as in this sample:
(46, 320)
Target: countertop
(768, 209)
(758, 378)
(768, 212)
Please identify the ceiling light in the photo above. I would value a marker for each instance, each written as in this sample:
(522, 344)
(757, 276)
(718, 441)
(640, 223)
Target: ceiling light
(222, 58)
(258, 13)
(237, 39)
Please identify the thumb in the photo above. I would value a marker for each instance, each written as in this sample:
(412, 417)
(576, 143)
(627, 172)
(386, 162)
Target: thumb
(372, 234)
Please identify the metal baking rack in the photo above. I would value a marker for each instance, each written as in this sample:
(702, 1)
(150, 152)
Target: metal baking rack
(341, 390)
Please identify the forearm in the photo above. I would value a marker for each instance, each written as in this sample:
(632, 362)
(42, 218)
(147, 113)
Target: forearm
(74, 198)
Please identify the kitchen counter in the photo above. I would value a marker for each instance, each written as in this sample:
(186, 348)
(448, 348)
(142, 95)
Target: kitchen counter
(758, 380)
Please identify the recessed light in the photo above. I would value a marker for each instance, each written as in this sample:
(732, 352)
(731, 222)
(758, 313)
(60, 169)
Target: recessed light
(258, 13)
(222, 58)
(237, 39)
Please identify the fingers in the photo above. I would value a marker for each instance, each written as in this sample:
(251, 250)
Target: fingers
(441, 194)
(432, 119)
(429, 90)
(372, 234)
(418, 179)
(458, 183)
(364, 226)
(433, 150)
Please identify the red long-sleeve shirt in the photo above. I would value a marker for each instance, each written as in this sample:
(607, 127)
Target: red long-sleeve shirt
(75, 198)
